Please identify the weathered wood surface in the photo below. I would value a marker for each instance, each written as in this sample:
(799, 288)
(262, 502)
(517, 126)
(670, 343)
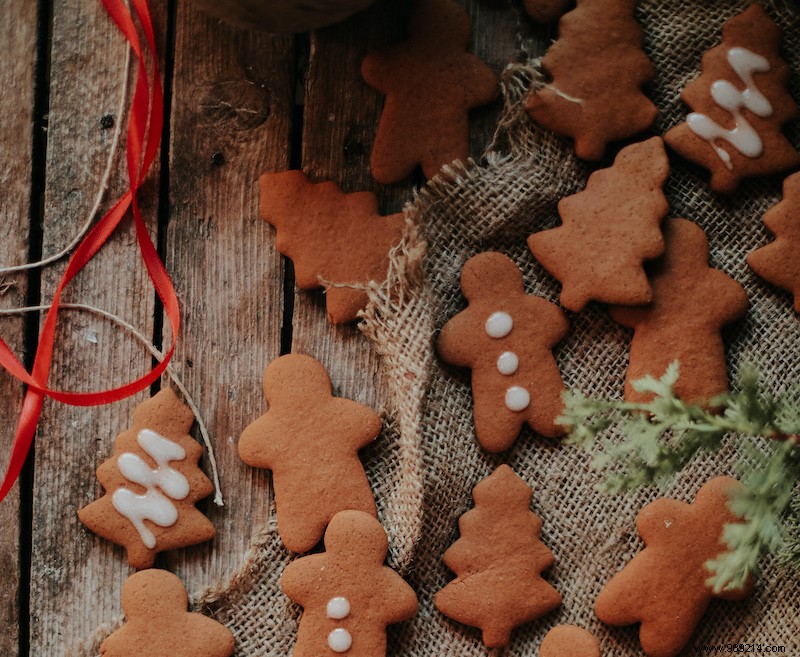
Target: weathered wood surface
(231, 119)
(232, 105)
(17, 52)
(76, 577)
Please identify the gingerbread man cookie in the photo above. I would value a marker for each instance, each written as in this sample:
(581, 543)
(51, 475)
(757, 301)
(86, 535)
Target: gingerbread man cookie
(740, 104)
(310, 440)
(569, 641)
(347, 594)
(431, 82)
(691, 303)
(317, 226)
(598, 70)
(664, 587)
(777, 262)
(505, 336)
(608, 230)
(499, 560)
(152, 483)
(158, 625)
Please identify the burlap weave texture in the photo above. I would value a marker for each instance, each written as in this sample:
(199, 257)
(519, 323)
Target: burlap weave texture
(429, 460)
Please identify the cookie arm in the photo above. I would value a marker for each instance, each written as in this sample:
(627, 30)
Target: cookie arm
(378, 68)
(482, 88)
(454, 344)
(400, 599)
(358, 423)
(256, 444)
(731, 302)
(553, 322)
(301, 577)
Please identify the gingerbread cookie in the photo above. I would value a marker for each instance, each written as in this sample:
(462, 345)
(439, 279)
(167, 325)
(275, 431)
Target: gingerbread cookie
(158, 625)
(431, 82)
(347, 594)
(608, 230)
(152, 483)
(499, 559)
(691, 303)
(317, 226)
(777, 262)
(569, 641)
(310, 440)
(505, 336)
(664, 587)
(545, 11)
(597, 70)
(740, 104)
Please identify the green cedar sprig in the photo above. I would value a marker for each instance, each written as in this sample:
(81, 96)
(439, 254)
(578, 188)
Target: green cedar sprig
(660, 437)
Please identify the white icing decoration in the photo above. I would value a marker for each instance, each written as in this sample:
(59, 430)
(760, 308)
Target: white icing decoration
(743, 136)
(154, 505)
(338, 608)
(517, 398)
(507, 363)
(499, 325)
(339, 640)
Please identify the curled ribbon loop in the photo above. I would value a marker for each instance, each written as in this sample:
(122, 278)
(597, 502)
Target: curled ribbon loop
(145, 124)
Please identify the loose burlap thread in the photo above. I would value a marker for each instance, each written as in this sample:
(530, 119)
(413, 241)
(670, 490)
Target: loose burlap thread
(427, 461)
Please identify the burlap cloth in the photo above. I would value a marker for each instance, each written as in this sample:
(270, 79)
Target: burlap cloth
(427, 461)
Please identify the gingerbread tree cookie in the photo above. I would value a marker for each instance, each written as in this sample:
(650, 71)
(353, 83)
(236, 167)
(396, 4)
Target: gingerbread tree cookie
(740, 104)
(317, 227)
(152, 483)
(664, 587)
(431, 82)
(158, 625)
(505, 336)
(779, 261)
(499, 559)
(597, 70)
(347, 594)
(608, 230)
(310, 440)
(691, 303)
(569, 641)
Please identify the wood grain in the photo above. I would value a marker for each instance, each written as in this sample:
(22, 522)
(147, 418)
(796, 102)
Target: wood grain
(18, 53)
(76, 577)
(232, 109)
(339, 123)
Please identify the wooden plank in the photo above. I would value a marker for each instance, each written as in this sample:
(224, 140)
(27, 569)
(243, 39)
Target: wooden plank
(339, 122)
(18, 52)
(232, 109)
(76, 577)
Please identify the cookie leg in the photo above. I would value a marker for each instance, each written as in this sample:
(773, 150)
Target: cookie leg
(666, 636)
(547, 402)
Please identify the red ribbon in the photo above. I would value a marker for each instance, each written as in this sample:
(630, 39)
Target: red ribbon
(145, 124)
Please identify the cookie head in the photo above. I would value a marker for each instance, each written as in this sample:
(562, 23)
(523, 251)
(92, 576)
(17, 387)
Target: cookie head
(358, 536)
(153, 593)
(569, 641)
(491, 275)
(293, 378)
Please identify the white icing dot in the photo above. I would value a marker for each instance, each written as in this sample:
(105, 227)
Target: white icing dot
(507, 363)
(340, 640)
(499, 325)
(338, 608)
(517, 398)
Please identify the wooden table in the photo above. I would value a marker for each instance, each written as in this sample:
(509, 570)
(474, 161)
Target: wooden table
(238, 104)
